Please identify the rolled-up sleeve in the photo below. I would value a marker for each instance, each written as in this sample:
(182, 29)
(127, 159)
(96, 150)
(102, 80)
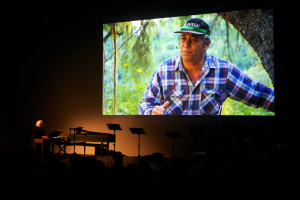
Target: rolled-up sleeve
(242, 88)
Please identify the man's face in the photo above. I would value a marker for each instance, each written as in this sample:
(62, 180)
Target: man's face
(191, 47)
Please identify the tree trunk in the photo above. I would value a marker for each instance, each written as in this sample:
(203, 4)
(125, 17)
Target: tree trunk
(256, 26)
(103, 75)
(115, 67)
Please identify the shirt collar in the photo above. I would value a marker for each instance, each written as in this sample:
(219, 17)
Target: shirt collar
(208, 63)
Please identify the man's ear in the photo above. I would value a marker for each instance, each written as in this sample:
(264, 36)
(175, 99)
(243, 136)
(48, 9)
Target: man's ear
(207, 45)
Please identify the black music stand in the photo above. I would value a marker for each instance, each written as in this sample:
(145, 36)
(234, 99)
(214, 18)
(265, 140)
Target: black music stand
(173, 135)
(138, 131)
(55, 140)
(76, 131)
(114, 127)
(55, 133)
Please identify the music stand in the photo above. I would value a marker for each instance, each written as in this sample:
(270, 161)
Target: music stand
(76, 131)
(54, 139)
(114, 127)
(173, 135)
(55, 133)
(138, 131)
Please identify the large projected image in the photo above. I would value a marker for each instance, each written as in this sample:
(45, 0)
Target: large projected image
(185, 65)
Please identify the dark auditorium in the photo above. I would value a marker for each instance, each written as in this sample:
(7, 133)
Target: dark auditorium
(85, 104)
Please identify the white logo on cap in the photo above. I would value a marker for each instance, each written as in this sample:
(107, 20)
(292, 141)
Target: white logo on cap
(192, 25)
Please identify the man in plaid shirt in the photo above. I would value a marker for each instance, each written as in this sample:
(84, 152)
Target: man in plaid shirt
(195, 83)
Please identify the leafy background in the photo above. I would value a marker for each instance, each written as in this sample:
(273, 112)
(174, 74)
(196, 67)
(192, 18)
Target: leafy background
(153, 41)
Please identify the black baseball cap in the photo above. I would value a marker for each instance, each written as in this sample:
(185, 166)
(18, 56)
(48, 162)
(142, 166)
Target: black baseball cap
(196, 26)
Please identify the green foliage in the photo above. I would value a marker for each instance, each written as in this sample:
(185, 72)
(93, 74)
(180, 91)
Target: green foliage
(155, 42)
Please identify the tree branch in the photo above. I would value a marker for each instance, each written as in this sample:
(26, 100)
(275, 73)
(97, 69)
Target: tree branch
(128, 39)
(256, 26)
(107, 35)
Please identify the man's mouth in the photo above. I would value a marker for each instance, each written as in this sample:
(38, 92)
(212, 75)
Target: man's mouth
(186, 52)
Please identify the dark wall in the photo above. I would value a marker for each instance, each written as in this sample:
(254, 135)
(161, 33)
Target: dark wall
(53, 69)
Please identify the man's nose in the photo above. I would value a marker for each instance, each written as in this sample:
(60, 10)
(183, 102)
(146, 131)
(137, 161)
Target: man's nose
(188, 42)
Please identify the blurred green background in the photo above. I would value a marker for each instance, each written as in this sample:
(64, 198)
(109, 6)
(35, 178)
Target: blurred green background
(145, 44)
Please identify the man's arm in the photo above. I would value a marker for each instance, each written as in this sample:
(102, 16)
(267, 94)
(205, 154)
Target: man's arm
(242, 88)
(153, 96)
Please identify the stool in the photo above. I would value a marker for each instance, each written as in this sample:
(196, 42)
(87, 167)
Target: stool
(39, 141)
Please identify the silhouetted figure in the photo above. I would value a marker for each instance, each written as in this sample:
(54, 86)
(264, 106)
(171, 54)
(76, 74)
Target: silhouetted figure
(118, 159)
(38, 132)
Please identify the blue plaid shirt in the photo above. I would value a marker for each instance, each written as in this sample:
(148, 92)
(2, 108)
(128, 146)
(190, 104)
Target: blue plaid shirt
(220, 79)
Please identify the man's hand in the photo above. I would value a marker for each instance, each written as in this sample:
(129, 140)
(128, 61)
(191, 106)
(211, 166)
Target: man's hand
(160, 110)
